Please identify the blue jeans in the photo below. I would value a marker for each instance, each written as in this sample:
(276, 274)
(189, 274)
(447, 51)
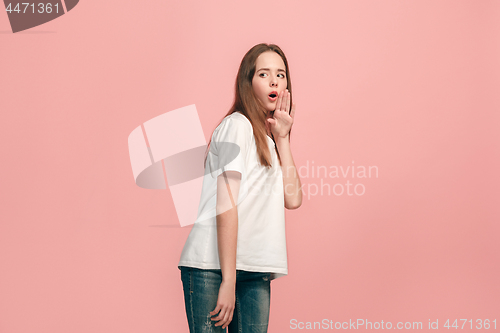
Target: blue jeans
(253, 298)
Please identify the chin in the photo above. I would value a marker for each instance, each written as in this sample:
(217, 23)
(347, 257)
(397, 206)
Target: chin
(271, 108)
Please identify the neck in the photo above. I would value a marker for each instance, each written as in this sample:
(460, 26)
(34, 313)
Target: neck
(268, 128)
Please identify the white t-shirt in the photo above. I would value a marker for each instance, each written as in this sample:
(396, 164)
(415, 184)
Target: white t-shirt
(261, 242)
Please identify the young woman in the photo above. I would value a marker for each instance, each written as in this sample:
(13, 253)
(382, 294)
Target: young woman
(238, 245)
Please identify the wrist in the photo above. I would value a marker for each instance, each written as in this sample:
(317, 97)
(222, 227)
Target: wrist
(282, 140)
(287, 136)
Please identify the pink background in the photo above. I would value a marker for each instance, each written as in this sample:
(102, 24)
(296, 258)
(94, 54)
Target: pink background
(408, 86)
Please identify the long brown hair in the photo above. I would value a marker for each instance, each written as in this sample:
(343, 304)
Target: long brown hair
(246, 102)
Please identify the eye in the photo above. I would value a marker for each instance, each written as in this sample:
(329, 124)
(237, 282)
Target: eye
(282, 75)
(262, 74)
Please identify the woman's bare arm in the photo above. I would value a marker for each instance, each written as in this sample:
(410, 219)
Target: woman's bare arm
(291, 180)
(281, 124)
(228, 184)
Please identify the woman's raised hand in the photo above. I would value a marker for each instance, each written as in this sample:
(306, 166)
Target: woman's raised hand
(225, 304)
(282, 120)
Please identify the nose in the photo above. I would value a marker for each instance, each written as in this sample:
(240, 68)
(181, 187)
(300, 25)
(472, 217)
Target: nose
(274, 82)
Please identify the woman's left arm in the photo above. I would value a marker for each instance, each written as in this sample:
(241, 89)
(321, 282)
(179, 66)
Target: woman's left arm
(281, 123)
(291, 180)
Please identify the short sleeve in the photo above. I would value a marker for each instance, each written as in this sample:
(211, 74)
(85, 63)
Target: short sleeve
(231, 140)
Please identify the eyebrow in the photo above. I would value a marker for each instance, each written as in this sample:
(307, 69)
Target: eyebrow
(266, 69)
